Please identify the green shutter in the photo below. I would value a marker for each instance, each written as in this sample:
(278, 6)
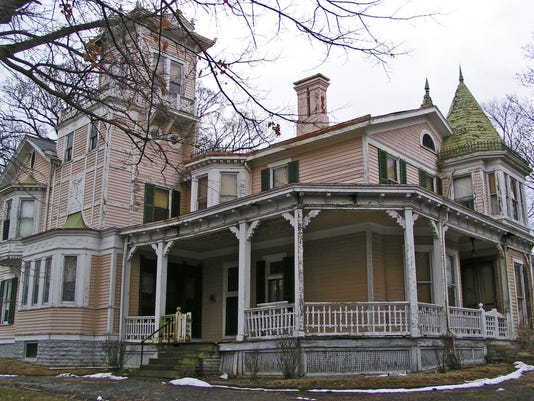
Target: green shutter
(12, 301)
(422, 178)
(293, 171)
(148, 214)
(265, 179)
(260, 281)
(175, 203)
(439, 186)
(383, 166)
(402, 168)
(289, 280)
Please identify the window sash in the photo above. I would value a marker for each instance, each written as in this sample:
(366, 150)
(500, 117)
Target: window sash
(93, 135)
(228, 187)
(36, 281)
(5, 300)
(202, 193)
(46, 279)
(26, 216)
(68, 292)
(69, 139)
(7, 219)
(25, 282)
(423, 268)
(280, 176)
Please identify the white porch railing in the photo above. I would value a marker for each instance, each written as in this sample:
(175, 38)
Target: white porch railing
(356, 318)
(137, 328)
(431, 319)
(270, 320)
(496, 325)
(466, 322)
(175, 328)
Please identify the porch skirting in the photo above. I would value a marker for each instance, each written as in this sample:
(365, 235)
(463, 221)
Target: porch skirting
(322, 356)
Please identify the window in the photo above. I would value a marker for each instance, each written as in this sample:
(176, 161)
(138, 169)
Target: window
(25, 282)
(202, 193)
(231, 298)
(430, 182)
(68, 287)
(391, 170)
(30, 350)
(515, 200)
(463, 191)
(32, 160)
(521, 291)
(69, 139)
(275, 279)
(428, 142)
(26, 213)
(8, 292)
(494, 198)
(36, 281)
(160, 203)
(278, 175)
(93, 135)
(7, 219)
(452, 285)
(168, 75)
(46, 280)
(228, 187)
(424, 276)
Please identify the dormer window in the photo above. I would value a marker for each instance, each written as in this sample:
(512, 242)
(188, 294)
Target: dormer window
(69, 139)
(280, 174)
(392, 170)
(428, 142)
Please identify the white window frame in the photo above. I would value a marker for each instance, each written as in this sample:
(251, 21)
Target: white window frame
(453, 255)
(5, 301)
(276, 165)
(518, 264)
(68, 154)
(423, 134)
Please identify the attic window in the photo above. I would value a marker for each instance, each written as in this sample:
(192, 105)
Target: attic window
(428, 142)
(32, 160)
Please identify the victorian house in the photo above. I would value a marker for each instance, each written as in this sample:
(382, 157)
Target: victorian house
(369, 245)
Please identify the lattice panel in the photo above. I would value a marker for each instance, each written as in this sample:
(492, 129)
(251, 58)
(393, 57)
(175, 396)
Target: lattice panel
(357, 361)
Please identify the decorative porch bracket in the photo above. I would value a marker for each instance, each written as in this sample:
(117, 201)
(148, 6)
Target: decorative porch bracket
(244, 233)
(407, 221)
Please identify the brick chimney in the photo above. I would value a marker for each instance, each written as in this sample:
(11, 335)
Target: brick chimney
(311, 103)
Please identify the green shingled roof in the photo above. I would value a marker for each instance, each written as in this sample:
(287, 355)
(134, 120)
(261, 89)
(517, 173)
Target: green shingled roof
(469, 123)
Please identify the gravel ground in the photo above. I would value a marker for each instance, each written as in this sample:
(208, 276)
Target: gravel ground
(135, 389)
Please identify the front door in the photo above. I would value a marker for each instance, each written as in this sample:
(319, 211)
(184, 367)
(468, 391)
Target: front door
(230, 292)
(184, 290)
(478, 284)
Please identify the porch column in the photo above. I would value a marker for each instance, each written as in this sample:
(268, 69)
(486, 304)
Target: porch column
(410, 278)
(162, 250)
(244, 234)
(411, 275)
(439, 264)
(298, 222)
(125, 286)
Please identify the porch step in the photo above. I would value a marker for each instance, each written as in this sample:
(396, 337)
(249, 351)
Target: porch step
(189, 359)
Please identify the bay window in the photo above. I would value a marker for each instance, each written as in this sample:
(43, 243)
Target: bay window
(68, 287)
(202, 193)
(228, 187)
(463, 191)
(26, 214)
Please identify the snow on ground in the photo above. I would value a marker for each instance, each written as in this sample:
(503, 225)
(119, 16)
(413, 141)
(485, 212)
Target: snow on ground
(7, 376)
(108, 376)
(521, 368)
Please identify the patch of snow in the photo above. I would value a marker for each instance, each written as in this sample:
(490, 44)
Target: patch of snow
(520, 369)
(189, 381)
(224, 376)
(7, 376)
(108, 376)
(67, 375)
(500, 389)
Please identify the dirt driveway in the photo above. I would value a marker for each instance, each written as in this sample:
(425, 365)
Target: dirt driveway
(135, 389)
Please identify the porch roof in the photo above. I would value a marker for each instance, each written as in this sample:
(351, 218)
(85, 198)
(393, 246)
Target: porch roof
(269, 204)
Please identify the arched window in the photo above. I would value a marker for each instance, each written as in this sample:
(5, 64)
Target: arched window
(428, 142)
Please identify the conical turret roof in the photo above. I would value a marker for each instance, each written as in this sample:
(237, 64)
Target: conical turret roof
(470, 125)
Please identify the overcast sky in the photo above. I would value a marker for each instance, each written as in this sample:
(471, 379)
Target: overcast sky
(485, 37)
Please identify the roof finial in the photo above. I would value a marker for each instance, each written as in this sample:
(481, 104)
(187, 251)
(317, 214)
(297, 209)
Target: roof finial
(461, 75)
(427, 100)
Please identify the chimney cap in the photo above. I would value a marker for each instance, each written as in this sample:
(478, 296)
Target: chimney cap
(316, 76)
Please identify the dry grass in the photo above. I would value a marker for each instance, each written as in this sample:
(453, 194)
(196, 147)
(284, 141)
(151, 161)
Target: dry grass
(16, 367)
(373, 382)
